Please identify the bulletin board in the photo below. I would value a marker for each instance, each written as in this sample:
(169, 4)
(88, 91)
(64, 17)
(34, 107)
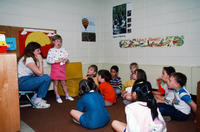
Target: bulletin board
(27, 34)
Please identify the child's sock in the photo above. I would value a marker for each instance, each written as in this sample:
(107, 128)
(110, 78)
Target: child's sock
(66, 95)
(57, 96)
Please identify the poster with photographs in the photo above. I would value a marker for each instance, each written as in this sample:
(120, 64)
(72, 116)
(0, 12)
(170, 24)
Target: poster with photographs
(88, 29)
(122, 20)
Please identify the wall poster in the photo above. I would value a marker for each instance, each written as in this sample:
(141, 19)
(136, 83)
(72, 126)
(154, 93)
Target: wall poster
(88, 29)
(168, 41)
(43, 37)
(122, 20)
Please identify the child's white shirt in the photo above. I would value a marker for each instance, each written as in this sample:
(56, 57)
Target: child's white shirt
(139, 119)
(128, 89)
(55, 54)
(169, 94)
(182, 100)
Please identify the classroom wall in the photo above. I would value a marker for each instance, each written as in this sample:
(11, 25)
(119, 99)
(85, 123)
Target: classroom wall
(62, 15)
(151, 18)
(154, 18)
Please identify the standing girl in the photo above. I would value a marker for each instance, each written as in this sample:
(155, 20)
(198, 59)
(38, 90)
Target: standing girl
(57, 57)
(142, 115)
(92, 103)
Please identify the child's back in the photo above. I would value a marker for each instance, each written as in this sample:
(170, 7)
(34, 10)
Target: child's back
(96, 114)
(108, 92)
(139, 118)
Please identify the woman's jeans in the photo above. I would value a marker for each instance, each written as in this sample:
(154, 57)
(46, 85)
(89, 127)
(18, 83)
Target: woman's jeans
(40, 84)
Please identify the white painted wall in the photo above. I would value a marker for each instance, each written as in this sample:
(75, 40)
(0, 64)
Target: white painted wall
(151, 18)
(62, 15)
(154, 18)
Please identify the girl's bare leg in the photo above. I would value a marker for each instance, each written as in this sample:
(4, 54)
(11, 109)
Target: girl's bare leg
(118, 126)
(55, 84)
(76, 114)
(64, 85)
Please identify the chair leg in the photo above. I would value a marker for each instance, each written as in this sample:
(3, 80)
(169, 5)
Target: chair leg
(30, 100)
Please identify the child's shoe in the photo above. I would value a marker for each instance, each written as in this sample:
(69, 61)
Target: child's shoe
(167, 118)
(59, 100)
(41, 105)
(69, 98)
(74, 120)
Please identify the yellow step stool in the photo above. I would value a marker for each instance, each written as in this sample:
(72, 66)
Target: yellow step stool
(74, 75)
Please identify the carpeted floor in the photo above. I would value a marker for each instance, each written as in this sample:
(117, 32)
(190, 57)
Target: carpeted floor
(25, 128)
(57, 118)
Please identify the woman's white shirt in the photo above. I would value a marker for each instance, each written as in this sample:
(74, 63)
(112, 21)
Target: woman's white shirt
(23, 70)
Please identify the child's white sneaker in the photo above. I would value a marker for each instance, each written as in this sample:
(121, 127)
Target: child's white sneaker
(59, 100)
(74, 120)
(69, 98)
(41, 105)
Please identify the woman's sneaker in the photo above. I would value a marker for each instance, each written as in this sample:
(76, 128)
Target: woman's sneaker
(41, 105)
(69, 98)
(59, 100)
(33, 100)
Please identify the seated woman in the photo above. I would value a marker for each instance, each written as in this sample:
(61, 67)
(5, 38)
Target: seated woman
(30, 74)
(91, 112)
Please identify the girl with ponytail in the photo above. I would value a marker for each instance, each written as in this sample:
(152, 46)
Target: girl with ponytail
(143, 114)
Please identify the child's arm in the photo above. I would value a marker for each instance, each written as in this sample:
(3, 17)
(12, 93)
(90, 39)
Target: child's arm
(194, 109)
(159, 99)
(193, 106)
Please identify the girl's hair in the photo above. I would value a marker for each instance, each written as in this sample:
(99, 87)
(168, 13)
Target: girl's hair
(86, 86)
(105, 74)
(141, 75)
(55, 37)
(143, 91)
(94, 67)
(169, 70)
(134, 64)
(28, 51)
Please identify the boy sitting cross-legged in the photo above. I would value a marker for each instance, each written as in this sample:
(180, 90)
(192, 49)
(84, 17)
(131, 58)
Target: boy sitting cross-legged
(182, 103)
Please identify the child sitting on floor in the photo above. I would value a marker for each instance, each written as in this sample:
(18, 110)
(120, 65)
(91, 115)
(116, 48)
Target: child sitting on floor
(129, 83)
(139, 74)
(168, 93)
(105, 88)
(92, 73)
(182, 103)
(92, 103)
(116, 80)
(143, 114)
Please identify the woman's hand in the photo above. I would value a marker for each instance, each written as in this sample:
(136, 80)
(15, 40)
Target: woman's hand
(39, 58)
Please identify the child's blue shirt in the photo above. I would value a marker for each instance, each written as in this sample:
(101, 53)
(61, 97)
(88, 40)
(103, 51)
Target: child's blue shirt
(95, 115)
